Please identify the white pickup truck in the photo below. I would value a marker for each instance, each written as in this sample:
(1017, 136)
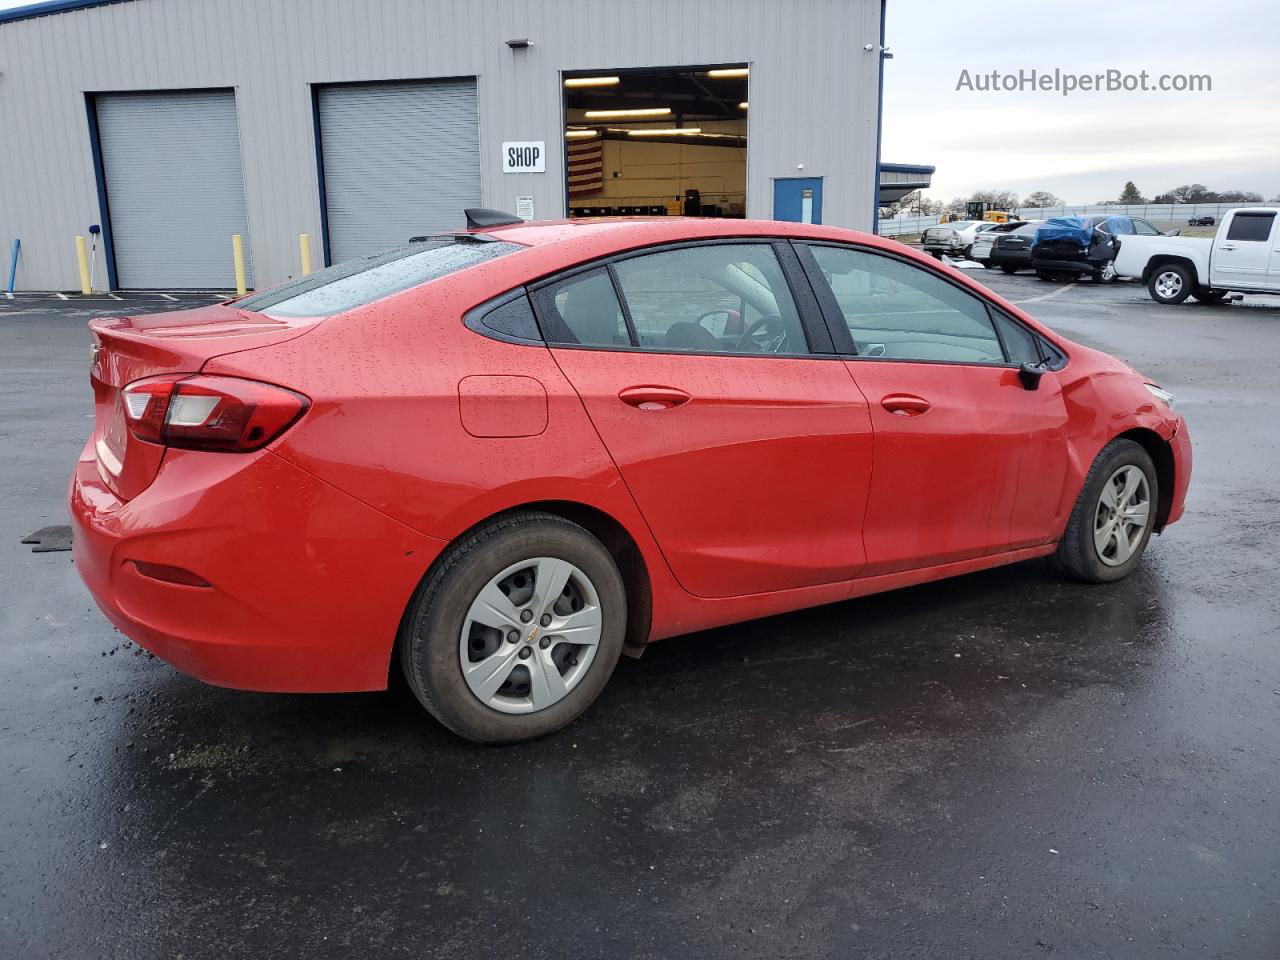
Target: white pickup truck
(1244, 257)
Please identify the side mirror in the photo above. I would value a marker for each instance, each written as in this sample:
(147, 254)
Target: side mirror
(1174, 233)
(1029, 374)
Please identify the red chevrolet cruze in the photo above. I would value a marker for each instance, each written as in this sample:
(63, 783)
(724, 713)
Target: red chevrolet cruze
(505, 457)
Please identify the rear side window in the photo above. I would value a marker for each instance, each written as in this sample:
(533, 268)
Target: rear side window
(354, 283)
(1250, 226)
(713, 298)
(899, 311)
(584, 310)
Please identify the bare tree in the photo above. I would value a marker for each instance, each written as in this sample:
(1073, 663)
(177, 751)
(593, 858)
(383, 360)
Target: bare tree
(1041, 198)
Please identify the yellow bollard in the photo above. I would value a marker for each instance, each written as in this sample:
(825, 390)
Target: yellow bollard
(237, 254)
(82, 255)
(304, 246)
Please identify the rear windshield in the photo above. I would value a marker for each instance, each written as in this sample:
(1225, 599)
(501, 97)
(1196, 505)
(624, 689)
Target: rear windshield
(353, 283)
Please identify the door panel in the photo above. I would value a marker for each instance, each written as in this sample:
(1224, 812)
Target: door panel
(756, 482)
(1243, 251)
(972, 464)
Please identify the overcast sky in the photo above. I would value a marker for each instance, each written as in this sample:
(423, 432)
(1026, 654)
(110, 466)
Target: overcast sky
(1085, 146)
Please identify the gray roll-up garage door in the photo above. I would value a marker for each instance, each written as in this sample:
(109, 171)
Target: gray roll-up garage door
(400, 160)
(175, 187)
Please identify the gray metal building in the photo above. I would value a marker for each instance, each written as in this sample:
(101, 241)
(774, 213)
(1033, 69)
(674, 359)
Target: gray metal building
(177, 123)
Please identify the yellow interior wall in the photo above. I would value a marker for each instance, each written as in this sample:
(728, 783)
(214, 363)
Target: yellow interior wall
(653, 173)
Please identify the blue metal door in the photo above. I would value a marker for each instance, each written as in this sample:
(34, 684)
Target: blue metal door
(798, 199)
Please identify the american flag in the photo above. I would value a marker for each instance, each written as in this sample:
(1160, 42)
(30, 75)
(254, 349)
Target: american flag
(586, 167)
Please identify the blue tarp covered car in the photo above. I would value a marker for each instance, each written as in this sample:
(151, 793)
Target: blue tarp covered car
(1068, 247)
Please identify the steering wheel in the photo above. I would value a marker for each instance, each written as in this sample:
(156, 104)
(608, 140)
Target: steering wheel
(766, 335)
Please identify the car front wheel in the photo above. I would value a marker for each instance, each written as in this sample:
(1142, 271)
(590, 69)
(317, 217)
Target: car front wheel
(1112, 521)
(516, 630)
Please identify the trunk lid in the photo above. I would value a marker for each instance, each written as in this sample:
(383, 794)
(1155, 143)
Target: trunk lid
(131, 348)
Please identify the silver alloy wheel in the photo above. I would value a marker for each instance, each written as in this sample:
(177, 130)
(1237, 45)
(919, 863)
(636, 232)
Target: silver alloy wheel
(530, 635)
(1121, 518)
(1169, 284)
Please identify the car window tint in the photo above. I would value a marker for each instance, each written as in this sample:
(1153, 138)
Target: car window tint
(711, 298)
(1250, 226)
(353, 283)
(1021, 344)
(904, 312)
(1144, 229)
(584, 310)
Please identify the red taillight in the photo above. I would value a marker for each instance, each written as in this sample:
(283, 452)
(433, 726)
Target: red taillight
(209, 412)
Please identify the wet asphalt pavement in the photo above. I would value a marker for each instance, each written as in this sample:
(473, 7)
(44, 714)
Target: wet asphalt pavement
(1002, 765)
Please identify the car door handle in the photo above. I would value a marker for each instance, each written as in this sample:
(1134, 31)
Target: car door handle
(1226, 246)
(653, 398)
(905, 404)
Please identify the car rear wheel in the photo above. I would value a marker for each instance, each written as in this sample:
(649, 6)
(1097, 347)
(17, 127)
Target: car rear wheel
(1170, 284)
(1009, 268)
(516, 630)
(1209, 296)
(1113, 518)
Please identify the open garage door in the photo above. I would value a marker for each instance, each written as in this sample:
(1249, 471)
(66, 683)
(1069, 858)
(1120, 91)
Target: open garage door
(652, 142)
(175, 187)
(399, 160)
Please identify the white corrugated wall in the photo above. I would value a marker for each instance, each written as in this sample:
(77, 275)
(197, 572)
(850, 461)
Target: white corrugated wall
(813, 95)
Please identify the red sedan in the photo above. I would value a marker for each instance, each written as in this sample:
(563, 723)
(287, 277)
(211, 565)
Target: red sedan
(505, 457)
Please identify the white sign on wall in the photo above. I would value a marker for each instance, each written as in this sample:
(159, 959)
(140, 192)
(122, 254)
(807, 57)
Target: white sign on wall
(524, 156)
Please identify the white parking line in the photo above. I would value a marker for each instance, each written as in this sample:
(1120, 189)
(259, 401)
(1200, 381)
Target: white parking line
(63, 296)
(1051, 293)
(167, 297)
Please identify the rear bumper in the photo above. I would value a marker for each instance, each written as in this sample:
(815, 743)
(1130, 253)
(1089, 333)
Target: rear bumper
(1021, 257)
(1068, 266)
(305, 585)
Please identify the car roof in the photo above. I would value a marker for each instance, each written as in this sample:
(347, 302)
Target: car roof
(585, 239)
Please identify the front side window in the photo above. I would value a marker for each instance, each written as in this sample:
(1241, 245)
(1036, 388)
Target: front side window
(899, 311)
(711, 298)
(1144, 229)
(354, 283)
(1250, 226)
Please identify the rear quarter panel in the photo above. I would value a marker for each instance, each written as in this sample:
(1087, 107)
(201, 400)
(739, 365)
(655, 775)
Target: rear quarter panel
(1136, 252)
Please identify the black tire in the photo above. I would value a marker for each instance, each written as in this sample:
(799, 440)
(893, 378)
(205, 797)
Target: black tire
(1010, 268)
(1077, 553)
(429, 638)
(1209, 296)
(967, 252)
(986, 264)
(1162, 287)
(1046, 275)
(936, 254)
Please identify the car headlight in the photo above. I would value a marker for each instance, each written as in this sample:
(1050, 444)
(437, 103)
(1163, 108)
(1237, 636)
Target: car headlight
(1164, 396)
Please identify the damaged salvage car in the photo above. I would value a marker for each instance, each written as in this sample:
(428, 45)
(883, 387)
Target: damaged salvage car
(499, 459)
(1068, 248)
